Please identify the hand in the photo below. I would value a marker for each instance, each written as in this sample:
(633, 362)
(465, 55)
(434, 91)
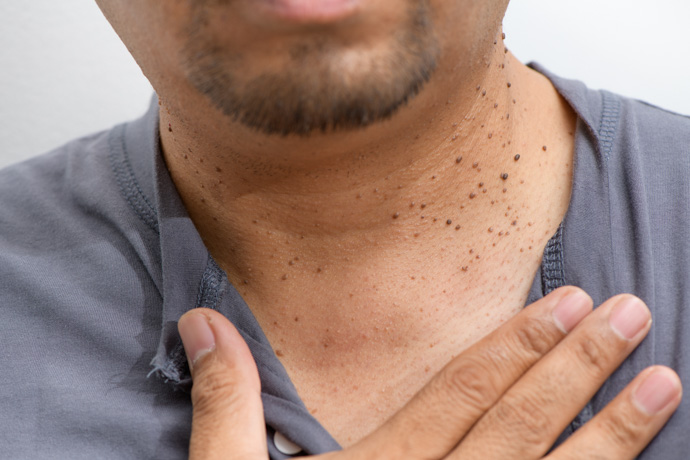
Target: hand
(508, 396)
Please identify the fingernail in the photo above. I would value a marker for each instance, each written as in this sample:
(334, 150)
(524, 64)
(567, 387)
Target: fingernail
(570, 310)
(629, 317)
(197, 336)
(657, 391)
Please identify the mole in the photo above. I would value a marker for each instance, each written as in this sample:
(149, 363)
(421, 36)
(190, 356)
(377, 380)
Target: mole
(396, 215)
(509, 84)
(504, 176)
(448, 222)
(475, 164)
(472, 195)
(457, 227)
(458, 159)
(544, 148)
(517, 157)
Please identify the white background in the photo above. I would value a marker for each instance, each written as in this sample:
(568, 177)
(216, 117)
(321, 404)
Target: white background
(64, 73)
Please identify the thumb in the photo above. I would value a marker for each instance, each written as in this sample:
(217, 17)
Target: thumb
(228, 419)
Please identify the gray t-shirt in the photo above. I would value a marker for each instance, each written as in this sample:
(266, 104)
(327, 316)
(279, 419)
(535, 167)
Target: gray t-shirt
(98, 260)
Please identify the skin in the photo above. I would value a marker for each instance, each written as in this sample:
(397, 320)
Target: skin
(319, 163)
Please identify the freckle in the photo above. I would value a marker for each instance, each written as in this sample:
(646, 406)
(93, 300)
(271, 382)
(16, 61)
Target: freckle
(478, 256)
(218, 169)
(495, 42)
(458, 159)
(254, 221)
(435, 219)
(215, 219)
(522, 250)
(448, 222)
(509, 84)
(505, 190)
(185, 156)
(464, 268)
(504, 176)
(421, 217)
(544, 148)
(492, 201)
(504, 145)
(201, 160)
(481, 184)
(433, 177)
(491, 135)
(202, 186)
(396, 215)
(359, 195)
(472, 195)
(284, 277)
(503, 36)
(484, 93)
(412, 204)
(318, 270)
(455, 125)
(203, 200)
(514, 223)
(475, 164)
(507, 116)
(496, 105)
(484, 190)
(500, 233)
(491, 229)
(505, 50)
(478, 87)
(169, 127)
(471, 251)
(513, 101)
(503, 66)
(399, 187)
(530, 248)
(296, 318)
(245, 281)
(291, 262)
(416, 235)
(481, 126)
(423, 205)
(517, 157)
(457, 227)
(279, 353)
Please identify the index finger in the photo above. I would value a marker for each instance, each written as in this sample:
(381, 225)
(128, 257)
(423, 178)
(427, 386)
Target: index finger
(437, 418)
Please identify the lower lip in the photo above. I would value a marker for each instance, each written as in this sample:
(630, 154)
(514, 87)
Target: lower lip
(315, 11)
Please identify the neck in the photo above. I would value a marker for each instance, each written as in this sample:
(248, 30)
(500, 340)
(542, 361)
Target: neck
(436, 168)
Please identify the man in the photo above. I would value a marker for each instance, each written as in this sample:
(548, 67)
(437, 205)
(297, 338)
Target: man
(370, 192)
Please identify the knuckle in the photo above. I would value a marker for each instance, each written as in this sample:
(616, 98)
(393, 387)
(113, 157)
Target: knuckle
(212, 391)
(471, 381)
(593, 354)
(524, 415)
(536, 339)
(623, 428)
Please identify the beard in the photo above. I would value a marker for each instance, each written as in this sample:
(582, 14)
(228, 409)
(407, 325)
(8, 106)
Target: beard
(321, 85)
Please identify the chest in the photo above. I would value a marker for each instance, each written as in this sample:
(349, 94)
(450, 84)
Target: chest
(356, 356)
